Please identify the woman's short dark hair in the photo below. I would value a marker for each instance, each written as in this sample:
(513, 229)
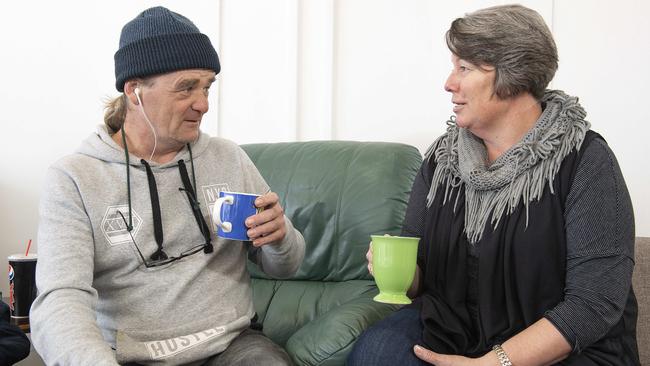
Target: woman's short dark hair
(513, 39)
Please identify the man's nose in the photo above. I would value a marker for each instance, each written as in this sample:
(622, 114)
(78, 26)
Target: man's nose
(201, 103)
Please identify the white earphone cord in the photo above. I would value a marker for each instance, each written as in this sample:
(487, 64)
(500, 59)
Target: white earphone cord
(155, 136)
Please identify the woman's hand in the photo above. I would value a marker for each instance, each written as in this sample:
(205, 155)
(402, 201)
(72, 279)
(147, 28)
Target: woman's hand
(452, 360)
(369, 258)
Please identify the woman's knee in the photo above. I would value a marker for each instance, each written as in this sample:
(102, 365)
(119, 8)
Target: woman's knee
(389, 341)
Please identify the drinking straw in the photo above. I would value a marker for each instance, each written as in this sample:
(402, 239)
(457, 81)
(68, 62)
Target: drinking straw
(28, 245)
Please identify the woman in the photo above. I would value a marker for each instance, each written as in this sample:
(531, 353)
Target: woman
(526, 225)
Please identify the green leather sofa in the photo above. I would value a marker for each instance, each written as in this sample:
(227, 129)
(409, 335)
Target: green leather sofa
(336, 193)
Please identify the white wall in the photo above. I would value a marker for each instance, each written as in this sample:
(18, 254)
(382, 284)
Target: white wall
(301, 70)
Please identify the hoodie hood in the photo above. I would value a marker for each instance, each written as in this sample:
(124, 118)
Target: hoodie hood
(100, 145)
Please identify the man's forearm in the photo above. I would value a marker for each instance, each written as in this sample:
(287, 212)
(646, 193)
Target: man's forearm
(64, 331)
(283, 259)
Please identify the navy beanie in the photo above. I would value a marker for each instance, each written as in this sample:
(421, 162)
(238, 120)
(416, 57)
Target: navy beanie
(158, 41)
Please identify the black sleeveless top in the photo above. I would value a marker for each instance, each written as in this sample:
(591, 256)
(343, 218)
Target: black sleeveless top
(515, 274)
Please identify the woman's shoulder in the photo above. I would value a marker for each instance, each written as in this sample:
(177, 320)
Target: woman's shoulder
(596, 151)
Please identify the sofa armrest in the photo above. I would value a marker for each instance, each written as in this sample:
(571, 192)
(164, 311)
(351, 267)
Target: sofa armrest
(328, 339)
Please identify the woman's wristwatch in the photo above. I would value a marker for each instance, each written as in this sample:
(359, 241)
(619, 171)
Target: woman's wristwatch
(501, 355)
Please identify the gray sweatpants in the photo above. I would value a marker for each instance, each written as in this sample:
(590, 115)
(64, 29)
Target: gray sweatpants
(251, 348)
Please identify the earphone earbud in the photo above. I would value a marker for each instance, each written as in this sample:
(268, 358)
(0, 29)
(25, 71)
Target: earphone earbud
(137, 95)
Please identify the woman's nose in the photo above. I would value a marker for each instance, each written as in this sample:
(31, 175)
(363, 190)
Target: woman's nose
(450, 84)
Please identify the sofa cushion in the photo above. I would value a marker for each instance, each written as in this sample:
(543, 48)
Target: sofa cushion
(317, 322)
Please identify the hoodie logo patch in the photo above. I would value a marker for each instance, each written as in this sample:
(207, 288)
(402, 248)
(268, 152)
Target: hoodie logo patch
(169, 347)
(113, 225)
(211, 193)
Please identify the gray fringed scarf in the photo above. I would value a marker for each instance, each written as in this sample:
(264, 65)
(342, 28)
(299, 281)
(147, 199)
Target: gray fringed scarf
(519, 174)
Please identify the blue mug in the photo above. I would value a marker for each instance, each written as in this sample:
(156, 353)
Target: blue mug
(230, 212)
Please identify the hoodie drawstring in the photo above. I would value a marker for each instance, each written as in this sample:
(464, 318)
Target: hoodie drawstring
(129, 227)
(155, 210)
(194, 203)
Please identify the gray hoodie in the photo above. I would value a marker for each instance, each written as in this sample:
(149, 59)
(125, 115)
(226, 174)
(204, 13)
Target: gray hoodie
(98, 304)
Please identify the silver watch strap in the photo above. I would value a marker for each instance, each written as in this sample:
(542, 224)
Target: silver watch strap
(501, 354)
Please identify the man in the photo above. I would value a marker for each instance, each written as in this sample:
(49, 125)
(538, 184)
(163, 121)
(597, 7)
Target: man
(129, 270)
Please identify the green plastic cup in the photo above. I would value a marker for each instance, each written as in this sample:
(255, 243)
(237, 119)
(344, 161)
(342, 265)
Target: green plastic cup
(393, 263)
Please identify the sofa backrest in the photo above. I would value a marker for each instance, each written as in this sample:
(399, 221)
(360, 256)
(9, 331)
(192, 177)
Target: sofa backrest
(641, 285)
(337, 193)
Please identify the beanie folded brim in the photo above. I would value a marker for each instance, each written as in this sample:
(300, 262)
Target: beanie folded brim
(163, 54)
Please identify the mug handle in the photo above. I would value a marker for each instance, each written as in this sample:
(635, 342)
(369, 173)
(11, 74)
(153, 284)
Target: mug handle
(216, 213)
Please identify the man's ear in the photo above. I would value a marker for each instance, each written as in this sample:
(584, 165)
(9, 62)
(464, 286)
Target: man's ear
(130, 89)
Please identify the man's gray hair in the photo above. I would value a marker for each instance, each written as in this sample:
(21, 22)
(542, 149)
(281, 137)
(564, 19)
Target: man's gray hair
(513, 39)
